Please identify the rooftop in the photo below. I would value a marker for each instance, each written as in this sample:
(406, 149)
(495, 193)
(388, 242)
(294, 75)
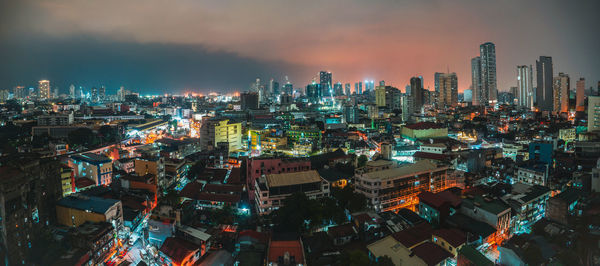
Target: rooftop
(178, 249)
(405, 170)
(453, 236)
(423, 125)
(87, 203)
(431, 253)
(288, 179)
(91, 158)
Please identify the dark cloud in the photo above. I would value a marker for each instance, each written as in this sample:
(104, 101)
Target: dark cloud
(88, 61)
(385, 39)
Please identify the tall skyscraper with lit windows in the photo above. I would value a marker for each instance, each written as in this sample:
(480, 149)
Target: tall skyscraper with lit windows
(544, 91)
(325, 81)
(525, 86)
(44, 89)
(489, 87)
(476, 80)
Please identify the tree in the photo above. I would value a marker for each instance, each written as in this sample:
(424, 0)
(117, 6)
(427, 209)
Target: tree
(196, 169)
(362, 161)
(107, 133)
(82, 136)
(348, 199)
(353, 258)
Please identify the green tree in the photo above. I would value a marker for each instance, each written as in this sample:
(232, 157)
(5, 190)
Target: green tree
(82, 136)
(362, 161)
(348, 199)
(353, 258)
(196, 169)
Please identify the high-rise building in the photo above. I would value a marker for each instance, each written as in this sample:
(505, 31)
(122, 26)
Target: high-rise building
(347, 89)
(448, 89)
(487, 52)
(249, 100)
(544, 91)
(468, 96)
(358, 87)
(314, 92)
(562, 88)
(524, 92)
(593, 113)
(351, 114)
(94, 94)
(288, 88)
(388, 97)
(369, 86)
(338, 89)
(325, 81)
(416, 94)
(476, 80)
(580, 95)
(102, 94)
(19, 92)
(72, 91)
(44, 89)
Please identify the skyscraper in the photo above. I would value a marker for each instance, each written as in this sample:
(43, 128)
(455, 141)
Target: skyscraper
(289, 88)
(44, 89)
(94, 94)
(249, 100)
(487, 51)
(416, 94)
(468, 96)
(562, 88)
(325, 81)
(580, 95)
(544, 91)
(72, 91)
(358, 87)
(19, 92)
(448, 89)
(525, 86)
(338, 89)
(102, 94)
(476, 80)
(593, 113)
(347, 89)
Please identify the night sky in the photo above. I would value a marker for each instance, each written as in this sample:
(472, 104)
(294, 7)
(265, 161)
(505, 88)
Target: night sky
(174, 46)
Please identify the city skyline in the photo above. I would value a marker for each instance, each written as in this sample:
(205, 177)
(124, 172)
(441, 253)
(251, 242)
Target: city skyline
(122, 49)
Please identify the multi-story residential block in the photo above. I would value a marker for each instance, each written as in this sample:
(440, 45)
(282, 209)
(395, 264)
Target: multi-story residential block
(561, 206)
(55, 119)
(77, 209)
(424, 130)
(271, 190)
(528, 204)
(92, 166)
(533, 174)
(396, 188)
(259, 166)
(98, 239)
(217, 130)
(489, 210)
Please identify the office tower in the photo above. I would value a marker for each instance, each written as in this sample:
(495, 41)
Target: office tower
(388, 97)
(288, 88)
(436, 79)
(580, 95)
(351, 114)
(358, 87)
(382, 83)
(524, 93)
(468, 96)
(369, 86)
(448, 89)
(274, 87)
(593, 113)
(19, 92)
(44, 89)
(72, 91)
(476, 80)
(487, 52)
(561, 87)
(338, 89)
(416, 94)
(347, 89)
(544, 91)
(325, 81)
(94, 94)
(121, 94)
(102, 94)
(249, 100)
(313, 92)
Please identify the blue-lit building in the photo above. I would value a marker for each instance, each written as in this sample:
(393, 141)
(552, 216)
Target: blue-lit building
(541, 152)
(528, 205)
(93, 166)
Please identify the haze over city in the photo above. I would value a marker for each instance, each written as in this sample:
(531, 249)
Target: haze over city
(157, 46)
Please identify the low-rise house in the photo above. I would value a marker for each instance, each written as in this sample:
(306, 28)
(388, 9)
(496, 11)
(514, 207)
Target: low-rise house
(176, 251)
(271, 190)
(342, 234)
